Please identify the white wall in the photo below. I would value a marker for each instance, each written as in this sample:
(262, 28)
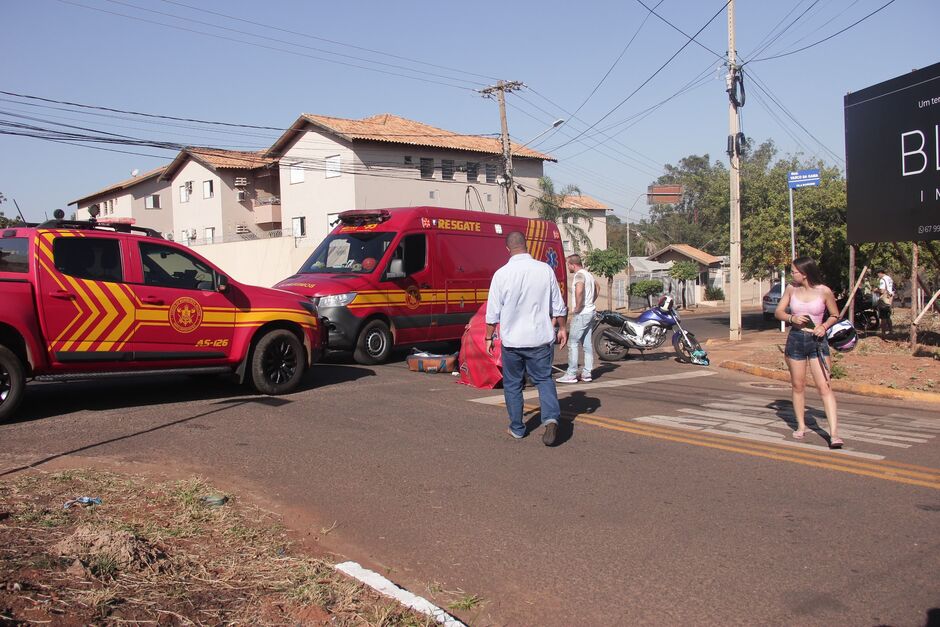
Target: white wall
(259, 262)
(199, 212)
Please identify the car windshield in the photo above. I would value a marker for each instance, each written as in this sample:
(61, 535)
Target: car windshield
(354, 253)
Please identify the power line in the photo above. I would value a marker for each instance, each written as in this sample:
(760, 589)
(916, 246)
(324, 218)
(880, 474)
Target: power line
(679, 30)
(250, 34)
(786, 28)
(825, 39)
(331, 41)
(651, 77)
(266, 47)
(760, 44)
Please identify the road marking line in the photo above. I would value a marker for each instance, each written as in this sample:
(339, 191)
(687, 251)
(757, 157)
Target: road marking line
(841, 460)
(389, 589)
(613, 383)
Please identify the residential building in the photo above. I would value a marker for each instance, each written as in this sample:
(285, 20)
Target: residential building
(223, 195)
(594, 224)
(143, 199)
(329, 165)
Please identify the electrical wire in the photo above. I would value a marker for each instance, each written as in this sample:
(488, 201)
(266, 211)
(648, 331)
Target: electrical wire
(679, 30)
(650, 78)
(331, 41)
(774, 39)
(267, 47)
(825, 39)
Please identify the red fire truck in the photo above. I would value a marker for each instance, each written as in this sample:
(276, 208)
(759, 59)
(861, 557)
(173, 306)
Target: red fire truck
(405, 276)
(83, 300)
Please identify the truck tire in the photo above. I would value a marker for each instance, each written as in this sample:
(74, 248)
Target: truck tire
(278, 362)
(374, 344)
(12, 382)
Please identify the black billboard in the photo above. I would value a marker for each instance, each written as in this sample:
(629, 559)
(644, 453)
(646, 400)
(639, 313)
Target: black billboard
(892, 155)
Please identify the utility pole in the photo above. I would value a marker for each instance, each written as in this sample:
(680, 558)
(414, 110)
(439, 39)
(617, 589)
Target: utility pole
(500, 89)
(734, 150)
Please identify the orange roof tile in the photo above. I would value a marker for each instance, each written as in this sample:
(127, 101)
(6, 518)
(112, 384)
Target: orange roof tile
(394, 129)
(689, 251)
(140, 178)
(218, 159)
(581, 202)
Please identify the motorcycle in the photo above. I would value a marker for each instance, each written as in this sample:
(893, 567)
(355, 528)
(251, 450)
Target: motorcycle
(614, 334)
(867, 317)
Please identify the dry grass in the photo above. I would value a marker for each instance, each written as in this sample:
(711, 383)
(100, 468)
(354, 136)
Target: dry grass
(232, 564)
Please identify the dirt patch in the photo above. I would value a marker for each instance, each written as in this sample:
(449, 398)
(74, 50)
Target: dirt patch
(890, 362)
(161, 554)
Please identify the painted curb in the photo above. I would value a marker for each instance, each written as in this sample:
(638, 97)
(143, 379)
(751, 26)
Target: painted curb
(863, 389)
(389, 589)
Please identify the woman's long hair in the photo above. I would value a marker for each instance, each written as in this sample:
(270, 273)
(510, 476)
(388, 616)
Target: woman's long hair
(808, 268)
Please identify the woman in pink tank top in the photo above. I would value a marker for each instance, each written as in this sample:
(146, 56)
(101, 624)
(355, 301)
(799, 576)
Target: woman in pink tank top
(813, 310)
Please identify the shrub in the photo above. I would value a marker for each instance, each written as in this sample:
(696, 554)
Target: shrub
(714, 293)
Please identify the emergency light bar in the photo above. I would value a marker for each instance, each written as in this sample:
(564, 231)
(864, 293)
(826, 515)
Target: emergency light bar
(358, 217)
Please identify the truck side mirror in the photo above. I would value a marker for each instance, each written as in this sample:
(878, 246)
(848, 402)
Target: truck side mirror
(221, 283)
(396, 269)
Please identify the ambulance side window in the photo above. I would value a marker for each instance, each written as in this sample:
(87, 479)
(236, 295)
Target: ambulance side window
(92, 258)
(168, 267)
(415, 250)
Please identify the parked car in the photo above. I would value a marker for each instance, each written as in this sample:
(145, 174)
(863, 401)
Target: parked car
(769, 303)
(85, 300)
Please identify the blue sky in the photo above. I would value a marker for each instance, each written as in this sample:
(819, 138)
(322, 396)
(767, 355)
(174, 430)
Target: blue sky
(270, 66)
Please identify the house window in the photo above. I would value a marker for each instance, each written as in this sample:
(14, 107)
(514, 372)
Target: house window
(575, 219)
(210, 234)
(489, 198)
(152, 201)
(473, 171)
(427, 168)
(447, 169)
(296, 173)
(409, 162)
(299, 226)
(490, 173)
(432, 194)
(332, 166)
(207, 191)
(184, 192)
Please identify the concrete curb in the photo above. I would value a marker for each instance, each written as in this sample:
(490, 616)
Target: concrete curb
(863, 389)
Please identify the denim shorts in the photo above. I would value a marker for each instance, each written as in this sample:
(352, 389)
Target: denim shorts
(803, 345)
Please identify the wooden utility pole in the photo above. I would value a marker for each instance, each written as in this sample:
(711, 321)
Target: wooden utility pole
(500, 89)
(734, 125)
(850, 305)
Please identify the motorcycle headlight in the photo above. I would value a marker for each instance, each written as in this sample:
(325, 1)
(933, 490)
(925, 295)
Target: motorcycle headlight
(337, 300)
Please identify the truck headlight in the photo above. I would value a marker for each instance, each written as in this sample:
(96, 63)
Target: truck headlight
(337, 300)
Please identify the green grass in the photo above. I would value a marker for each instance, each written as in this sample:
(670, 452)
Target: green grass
(466, 602)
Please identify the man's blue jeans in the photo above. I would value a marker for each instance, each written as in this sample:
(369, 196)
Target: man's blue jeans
(580, 330)
(537, 363)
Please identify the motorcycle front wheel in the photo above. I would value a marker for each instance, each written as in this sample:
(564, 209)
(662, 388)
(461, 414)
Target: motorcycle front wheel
(605, 349)
(685, 349)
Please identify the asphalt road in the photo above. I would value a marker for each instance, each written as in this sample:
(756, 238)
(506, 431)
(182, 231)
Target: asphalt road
(676, 495)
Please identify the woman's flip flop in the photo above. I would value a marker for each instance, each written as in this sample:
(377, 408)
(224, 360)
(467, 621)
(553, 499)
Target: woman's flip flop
(836, 443)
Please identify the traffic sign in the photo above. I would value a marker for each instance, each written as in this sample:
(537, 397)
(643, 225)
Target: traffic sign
(803, 178)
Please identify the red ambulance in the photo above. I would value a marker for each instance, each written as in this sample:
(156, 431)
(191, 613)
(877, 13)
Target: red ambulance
(395, 277)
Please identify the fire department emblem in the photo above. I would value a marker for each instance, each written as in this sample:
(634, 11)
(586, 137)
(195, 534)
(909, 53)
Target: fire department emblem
(185, 315)
(412, 297)
(551, 258)
(425, 223)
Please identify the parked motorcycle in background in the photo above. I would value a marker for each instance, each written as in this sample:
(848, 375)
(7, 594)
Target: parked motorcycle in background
(614, 334)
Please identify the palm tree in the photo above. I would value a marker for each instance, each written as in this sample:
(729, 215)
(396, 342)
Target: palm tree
(553, 207)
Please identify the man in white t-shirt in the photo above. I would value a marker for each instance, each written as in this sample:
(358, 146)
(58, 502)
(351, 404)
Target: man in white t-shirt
(583, 295)
(885, 292)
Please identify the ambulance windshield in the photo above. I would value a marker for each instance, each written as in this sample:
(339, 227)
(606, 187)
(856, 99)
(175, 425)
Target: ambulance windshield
(354, 253)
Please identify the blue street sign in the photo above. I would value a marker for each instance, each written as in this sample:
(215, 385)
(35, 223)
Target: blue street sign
(803, 178)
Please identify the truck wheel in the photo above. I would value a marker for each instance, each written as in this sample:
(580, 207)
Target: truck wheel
(278, 362)
(374, 343)
(12, 382)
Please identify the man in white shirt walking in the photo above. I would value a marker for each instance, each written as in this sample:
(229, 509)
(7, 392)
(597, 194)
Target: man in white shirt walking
(583, 295)
(526, 302)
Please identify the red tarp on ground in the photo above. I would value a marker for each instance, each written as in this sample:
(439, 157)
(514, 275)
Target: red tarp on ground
(477, 367)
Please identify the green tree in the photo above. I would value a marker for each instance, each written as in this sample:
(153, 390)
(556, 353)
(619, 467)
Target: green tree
(684, 271)
(4, 221)
(646, 288)
(606, 263)
(551, 206)
(617, 235)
